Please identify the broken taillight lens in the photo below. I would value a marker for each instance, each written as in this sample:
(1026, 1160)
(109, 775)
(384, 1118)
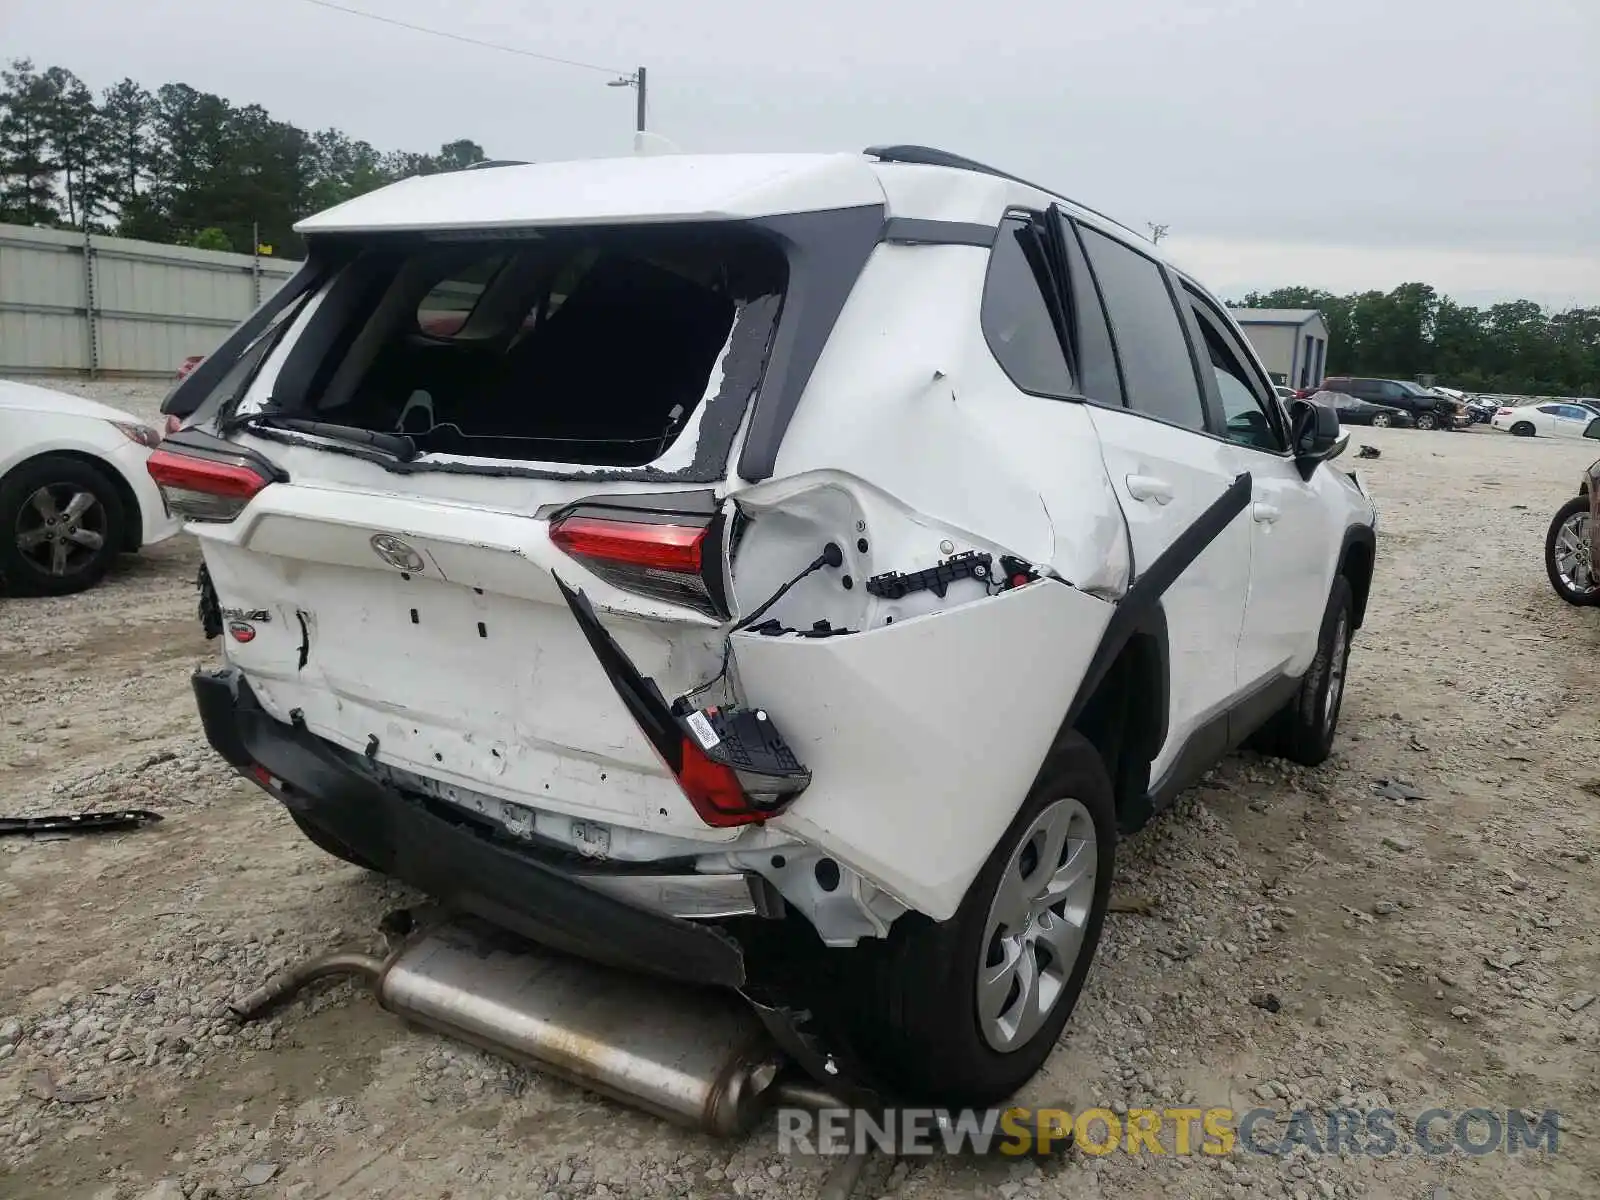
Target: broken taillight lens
(666, 556)
(200, 488)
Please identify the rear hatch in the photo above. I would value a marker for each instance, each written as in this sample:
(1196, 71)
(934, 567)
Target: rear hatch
(388, 483)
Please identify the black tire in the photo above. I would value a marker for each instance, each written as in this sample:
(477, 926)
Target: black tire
(1427, 421)
(327, 842)
(1582, 598)
(31, 537)
(1382, 420)
(1523, 429)
(1303, 729)
(913, 999)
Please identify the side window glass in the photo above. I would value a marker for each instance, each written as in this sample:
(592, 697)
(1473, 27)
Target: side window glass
(1016, 323)
(450, 302)
(1246, 418)
(1550, 410)
(1151, 345)
(1097, 360)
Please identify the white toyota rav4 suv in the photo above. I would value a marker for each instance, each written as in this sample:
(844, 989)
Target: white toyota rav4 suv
(788, 573)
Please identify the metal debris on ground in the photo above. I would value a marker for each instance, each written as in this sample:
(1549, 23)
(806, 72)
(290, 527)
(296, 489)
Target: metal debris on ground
(1397, 789)
(1367, 452)
(102, 822)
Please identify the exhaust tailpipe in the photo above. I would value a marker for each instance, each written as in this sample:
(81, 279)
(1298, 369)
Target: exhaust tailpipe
(693, 1056)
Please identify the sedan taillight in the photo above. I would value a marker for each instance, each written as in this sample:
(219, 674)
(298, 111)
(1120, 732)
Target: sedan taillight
(1503, 412)
(201, 488)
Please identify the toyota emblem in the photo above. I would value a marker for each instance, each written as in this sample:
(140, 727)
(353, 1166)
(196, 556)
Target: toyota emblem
(396, 553)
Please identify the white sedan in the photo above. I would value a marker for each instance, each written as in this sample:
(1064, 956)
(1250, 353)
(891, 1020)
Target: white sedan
(1556, 418)
(74, 491)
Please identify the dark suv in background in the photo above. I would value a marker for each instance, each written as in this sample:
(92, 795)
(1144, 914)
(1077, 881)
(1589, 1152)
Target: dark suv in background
(1429, 409)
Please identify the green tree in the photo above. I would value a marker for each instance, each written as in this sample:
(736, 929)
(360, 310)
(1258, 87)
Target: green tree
(211, 238)
(28, 166)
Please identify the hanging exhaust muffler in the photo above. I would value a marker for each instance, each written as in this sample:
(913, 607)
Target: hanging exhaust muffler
(694, 1056)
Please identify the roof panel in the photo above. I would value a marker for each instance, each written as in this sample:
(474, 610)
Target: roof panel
(653, 188)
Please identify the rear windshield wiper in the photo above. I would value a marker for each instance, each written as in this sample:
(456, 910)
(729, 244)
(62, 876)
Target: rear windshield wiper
(398, 444)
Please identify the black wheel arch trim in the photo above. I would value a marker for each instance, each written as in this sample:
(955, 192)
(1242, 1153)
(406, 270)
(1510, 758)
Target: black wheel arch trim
(1365, 537)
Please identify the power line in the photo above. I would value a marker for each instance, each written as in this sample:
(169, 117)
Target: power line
(471, 41)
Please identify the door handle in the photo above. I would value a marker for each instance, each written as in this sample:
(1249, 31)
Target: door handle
(1266, 514)
(1148, 487)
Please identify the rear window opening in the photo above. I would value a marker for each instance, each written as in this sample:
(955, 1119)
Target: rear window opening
(593, 347)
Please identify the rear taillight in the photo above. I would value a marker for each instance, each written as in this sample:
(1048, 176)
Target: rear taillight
(668, 556)
(1503, 412)
(200, 488)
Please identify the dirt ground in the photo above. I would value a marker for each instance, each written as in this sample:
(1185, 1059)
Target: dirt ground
(1297, 939)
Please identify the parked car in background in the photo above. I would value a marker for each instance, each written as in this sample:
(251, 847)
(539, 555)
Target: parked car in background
(546, 542)
(74, 490)
(1355, 411)
(1558, 418)
(1481, 411)
(1428, 409)
(1572, 546)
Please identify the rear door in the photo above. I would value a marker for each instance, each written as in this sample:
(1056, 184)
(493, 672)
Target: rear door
(1167, 471)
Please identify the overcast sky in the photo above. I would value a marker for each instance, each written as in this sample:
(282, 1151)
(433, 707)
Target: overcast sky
(1345, 144)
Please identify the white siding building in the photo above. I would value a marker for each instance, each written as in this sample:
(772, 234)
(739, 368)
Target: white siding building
(1292, 342)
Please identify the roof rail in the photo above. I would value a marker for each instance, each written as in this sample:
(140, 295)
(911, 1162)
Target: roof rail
(495, 162)
(928, 156)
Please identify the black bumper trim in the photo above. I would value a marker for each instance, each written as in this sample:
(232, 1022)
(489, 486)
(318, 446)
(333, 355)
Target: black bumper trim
(452, 861)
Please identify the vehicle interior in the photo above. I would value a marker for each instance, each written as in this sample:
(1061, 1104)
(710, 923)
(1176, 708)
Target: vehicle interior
(574, 348)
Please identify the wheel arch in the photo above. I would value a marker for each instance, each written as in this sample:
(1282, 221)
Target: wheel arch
(132, 531)
(1357, 556)
(1124, 709)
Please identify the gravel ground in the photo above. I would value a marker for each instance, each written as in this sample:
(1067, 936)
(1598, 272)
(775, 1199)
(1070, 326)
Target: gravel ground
(1295, 937)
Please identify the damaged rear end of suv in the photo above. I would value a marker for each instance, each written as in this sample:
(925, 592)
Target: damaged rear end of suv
(686, 563)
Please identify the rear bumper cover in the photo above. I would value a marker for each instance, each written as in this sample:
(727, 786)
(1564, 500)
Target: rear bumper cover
(459, 864)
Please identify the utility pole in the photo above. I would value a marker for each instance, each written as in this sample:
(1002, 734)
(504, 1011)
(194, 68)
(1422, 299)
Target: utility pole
(637, 81)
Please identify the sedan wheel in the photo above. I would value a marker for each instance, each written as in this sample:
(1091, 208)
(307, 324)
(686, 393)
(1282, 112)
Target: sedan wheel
(1522, 429)
(1382, 420)
(1427, 421)
(60, 526)
(60, 529)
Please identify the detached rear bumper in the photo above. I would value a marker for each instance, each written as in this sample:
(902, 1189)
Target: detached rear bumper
(459, 864)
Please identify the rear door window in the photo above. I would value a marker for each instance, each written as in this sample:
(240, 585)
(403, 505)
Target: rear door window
(1157, 369)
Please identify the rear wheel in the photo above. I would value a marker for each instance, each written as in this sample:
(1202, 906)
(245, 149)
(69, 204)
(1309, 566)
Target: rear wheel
(1569, 556)
(1382, 420)
(965, 1011)
(60, 526)
(1523, 429)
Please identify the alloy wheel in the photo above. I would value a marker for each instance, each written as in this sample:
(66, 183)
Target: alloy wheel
(1573, 556)
(1034, 930)
(61, 528)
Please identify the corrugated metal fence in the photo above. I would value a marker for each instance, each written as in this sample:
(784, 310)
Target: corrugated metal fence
(72, 304)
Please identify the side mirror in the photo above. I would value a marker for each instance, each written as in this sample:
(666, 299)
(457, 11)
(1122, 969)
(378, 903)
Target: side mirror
(1316, 435)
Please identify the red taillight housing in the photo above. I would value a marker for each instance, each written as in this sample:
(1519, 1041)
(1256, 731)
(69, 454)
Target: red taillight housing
(1503, 412)
(667, 554)
(205, 488)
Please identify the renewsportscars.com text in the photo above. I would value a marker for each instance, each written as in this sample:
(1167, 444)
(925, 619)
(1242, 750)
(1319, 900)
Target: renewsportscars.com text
(1375, 1133)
